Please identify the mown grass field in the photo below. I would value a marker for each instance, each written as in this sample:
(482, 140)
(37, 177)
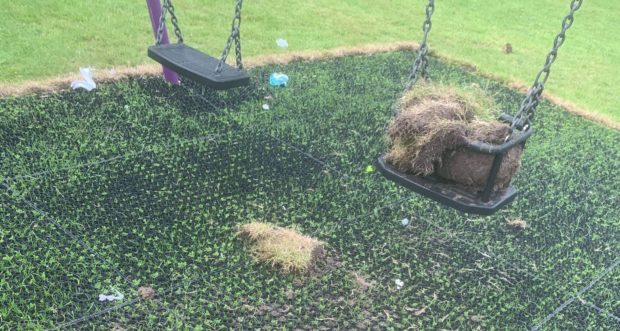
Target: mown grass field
(48, 38)
(142, 184)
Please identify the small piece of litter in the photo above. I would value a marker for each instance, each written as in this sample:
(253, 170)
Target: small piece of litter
(370, 168)
(419, 312)
(278, 79)
(404, 221)
(399, 284)
(111, 297)
(282, 43)
(87, 83)
(265, 106)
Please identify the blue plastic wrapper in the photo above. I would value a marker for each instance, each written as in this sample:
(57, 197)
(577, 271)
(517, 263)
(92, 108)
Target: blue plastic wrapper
(278, 79)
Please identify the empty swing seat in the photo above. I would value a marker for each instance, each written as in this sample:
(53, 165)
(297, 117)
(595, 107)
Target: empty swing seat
(198, 66)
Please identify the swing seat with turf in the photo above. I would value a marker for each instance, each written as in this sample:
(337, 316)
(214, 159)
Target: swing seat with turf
(488, 200)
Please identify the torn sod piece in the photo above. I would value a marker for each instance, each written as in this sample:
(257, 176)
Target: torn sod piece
(431, 131)
(517, 223)
(146, 292)
(283, 248)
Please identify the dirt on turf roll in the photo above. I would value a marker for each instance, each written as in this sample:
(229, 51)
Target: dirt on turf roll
(429, 135)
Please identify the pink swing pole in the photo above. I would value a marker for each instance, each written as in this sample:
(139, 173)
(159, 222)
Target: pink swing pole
(155, 13)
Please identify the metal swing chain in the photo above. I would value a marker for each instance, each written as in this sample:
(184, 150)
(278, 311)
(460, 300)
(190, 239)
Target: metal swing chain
(421, 62)
(168, 7)
(530, 102)
(235, 36)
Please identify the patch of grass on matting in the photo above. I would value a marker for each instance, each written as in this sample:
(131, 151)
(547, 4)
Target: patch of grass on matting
(139, 184)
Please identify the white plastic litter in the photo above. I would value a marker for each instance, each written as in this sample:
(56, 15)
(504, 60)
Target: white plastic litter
(404, 221)
(111, 297)
(265, 106)
(282, 43)
(399, 284)
(87, 83)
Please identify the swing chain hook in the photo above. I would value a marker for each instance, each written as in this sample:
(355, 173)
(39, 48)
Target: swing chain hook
(524, 116)
(168, 7)
(421, 62)
(235, 36)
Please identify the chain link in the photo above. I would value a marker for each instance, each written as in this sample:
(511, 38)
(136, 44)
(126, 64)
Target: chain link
(175, 23)
(168, 7)
(525, 114)
(421, 62)
(238, 34)
(235, 36)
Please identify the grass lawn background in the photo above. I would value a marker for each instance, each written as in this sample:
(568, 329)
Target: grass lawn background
(48, 38)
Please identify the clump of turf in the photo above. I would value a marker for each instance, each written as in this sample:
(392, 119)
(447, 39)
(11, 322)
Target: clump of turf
(283, 248)
(361, 282)
(517, 223)
(146, 292)
(434, 125)
(472, 100)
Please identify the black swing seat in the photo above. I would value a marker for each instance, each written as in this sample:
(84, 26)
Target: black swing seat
(198, 66)
(451, 194)
(448, 193)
